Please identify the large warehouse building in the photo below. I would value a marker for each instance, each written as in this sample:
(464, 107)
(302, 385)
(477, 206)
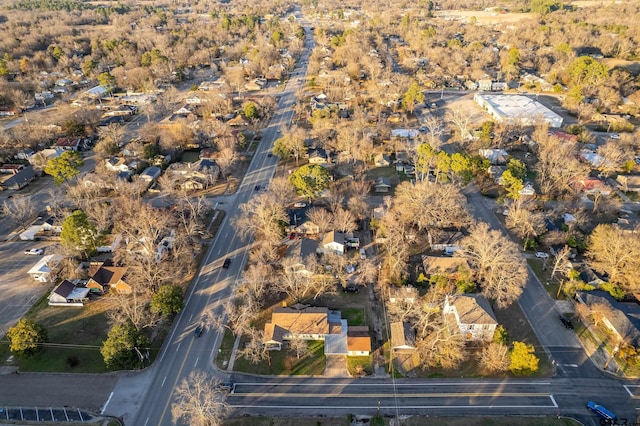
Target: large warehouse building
(517, 109)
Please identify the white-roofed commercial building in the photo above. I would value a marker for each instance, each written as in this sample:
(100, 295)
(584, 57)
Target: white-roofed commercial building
(517, 109)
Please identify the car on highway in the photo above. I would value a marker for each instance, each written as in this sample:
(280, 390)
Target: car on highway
(198, 330)
(270, 155)
(605, 414)
(542, 255)
(34, 252)
(226, 263)
(257, 187)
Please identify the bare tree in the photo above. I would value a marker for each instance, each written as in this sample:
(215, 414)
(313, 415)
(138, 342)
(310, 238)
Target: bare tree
(525, 221)
(462, 121)
(282, 189)
(344, 221)
(495, 358)
(238, 315)
(435, 130)
(255, 351)
(320, 217)
(616, 253)
(560, 260)
(498, 264)
(21, 209)
(261, 216)
(441, 348)
(134, 308)
(299, 347)
(557, 165)
(199, 401)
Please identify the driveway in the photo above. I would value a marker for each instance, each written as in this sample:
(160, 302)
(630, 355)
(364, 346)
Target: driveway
(336, 366)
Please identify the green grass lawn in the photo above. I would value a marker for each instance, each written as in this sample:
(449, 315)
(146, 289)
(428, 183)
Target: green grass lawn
(285, 362)
(543, 275)
(224, 354)
(354, 317)
(76, 334)
(356, 363)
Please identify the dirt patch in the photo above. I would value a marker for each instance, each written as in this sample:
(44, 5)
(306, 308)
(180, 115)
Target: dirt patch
(485, 17)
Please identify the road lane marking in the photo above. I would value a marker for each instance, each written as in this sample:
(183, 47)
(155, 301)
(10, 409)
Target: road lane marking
(145, 423)
(570, 365)
(195, 364)
(373, 407)
(178, 347)
(397, 385)
(163, 380)
(104, 407)
(631, 394)
(554, 401)
(403, 395)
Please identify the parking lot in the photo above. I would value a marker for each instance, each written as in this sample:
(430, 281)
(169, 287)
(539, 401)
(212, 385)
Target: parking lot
(44, 414)
(18, 291)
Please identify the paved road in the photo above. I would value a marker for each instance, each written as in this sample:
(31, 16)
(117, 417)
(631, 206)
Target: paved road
(213, 285)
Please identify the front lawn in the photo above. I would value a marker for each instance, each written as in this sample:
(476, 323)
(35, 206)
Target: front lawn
(285, 363)
(357, 365)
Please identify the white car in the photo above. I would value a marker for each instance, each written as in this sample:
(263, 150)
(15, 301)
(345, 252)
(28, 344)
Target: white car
(614, 136)
(542, 255)
(35, 252)
(300, 205)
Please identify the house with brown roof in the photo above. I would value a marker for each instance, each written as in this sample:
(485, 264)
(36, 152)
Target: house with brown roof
(473, 316)
(106, 278)
(358, 341)
(403, 337)
(450, 267)
(300, 322)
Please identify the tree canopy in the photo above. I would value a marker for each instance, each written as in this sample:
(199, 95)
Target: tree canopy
(168, 300)
(64, 167)
(124, 347)
(25, 337)
(79, 234)
(310, 180)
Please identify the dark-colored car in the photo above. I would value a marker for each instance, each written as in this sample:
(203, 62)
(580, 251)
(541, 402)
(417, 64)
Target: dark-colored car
(198, 331)
(226, 263)
(351, 289)
(257, 187)
(269, 155)
(566, 322)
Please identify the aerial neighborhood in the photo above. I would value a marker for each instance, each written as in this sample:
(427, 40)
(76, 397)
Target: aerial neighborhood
(397, 193)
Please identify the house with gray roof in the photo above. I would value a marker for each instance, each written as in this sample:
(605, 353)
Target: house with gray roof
(473, 316)
(622, 319)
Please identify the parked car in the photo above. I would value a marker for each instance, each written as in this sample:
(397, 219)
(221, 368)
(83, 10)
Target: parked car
(198, 331)
(566, 322)
(542, 255)
(601, 411)
(363, 254)
(300, 205)
(34, 252)
(226, 263)
(614, 136)
(351, 289)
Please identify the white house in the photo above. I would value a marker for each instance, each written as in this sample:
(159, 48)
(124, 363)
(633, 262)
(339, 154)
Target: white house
(517, 109)
(67, 294)
(41, 271)
(473, 316)
(333, 242)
